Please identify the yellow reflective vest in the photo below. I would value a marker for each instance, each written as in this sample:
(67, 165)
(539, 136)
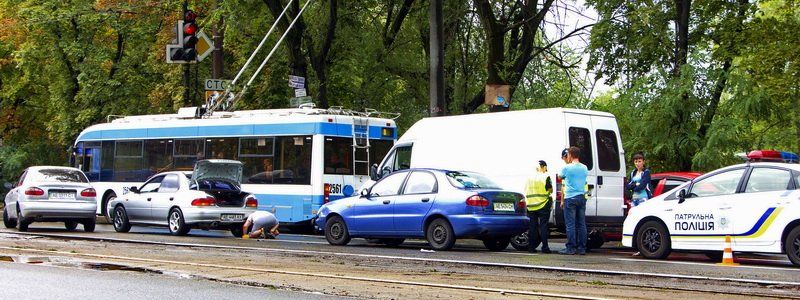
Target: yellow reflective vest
(536, 194)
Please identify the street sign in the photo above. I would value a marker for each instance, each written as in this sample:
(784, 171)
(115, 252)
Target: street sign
(216, 84)
(300, 93)
(297, 82)
(204, 46)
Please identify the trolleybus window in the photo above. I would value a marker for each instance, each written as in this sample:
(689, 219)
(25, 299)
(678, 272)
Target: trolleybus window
(222, 148)
(128, 161)
(158, 156)
(187, 152)
(339, 155)
(290, 163)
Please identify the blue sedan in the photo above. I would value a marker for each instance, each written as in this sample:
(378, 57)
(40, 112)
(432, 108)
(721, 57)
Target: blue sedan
(440, 206)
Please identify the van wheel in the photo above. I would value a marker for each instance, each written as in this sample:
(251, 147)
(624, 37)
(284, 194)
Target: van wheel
(104, 207)
(70, 225)
(496, 244)
(336, 231)
(8, 221)
(653, 241)
(595, 241)
(792, 245)
(121, 223)
(440, 235)
(177, 225)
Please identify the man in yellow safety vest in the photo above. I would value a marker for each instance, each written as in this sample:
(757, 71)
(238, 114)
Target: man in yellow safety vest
(537, 196)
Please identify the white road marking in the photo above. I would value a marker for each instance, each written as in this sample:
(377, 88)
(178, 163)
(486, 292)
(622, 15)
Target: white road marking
(788, 268)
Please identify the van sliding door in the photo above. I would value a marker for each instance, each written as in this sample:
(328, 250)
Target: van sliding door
(579, 134)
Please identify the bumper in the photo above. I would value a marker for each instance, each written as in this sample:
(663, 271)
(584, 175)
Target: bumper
(42, 210)
(476, 226)
(213, 215)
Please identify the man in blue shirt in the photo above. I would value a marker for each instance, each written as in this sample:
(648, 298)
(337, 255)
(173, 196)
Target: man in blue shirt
(574, 202)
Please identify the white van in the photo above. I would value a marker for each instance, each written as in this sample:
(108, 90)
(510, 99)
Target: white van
(507, 147)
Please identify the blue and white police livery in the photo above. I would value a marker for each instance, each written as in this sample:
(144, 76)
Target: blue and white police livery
(756, 204)
(295, 160)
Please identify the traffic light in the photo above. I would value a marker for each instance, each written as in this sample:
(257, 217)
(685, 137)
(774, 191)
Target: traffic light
(190, 29)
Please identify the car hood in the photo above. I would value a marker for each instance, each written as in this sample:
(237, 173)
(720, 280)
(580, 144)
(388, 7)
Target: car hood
(230, 170)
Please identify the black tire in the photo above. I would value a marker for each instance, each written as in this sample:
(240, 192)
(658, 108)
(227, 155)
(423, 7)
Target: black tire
(520, 242)
(236, 230)
(70, 225)
(8, 221)
(496, 244)
(111, 197)
(595, 241)
(440, 235)
(714, 255)
(653, 241)
(792, 245)
(22, 222)
(336, 231)
(89, 224)
(177, 224)
(120, 220)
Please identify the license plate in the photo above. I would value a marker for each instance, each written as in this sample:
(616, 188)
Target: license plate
(504, 206)
(232, 217)
(62, 195)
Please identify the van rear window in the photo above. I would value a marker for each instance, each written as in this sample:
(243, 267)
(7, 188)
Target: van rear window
(607, 150)
(581, 138)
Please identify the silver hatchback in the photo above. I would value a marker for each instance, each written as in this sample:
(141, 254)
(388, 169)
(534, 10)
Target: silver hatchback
(50, 194)
(210, 197)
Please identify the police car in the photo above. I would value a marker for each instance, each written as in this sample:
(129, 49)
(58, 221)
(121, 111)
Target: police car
(756, 204)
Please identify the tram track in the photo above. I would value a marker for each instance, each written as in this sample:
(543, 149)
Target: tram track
(768, 283)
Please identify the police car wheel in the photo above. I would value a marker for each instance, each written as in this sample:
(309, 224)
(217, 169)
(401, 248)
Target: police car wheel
(336, 231)
(8, 221)
(653, 241)
(792, 245)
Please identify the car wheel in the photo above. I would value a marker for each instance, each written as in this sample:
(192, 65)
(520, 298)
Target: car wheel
(792, 245)
(520, 242)
(336, 231)
(88, 225)
(496, 244)
(236, 230)
(70, 225)
(121, 223)
(177, 225)
(652, 240)
(440, 235)
(22, 222)
(111, 197)
(8, 221)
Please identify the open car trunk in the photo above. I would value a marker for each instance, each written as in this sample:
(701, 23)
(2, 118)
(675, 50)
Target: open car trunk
(220, 178)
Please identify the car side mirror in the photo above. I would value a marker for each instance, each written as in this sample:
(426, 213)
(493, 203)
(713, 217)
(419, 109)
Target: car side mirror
(365, 193)
(373, 172)
(134, 189)
(681, 196)
(8, 185)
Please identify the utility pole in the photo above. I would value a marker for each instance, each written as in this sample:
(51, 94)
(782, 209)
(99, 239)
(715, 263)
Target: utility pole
(217, 57)
(187, 76)
(436, 74)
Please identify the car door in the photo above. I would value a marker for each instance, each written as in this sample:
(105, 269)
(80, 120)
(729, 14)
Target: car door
(752, 214)
(138, 205)
(374, 214)
(411, 207)
(13, 195)
(700, 220)
(164, 198)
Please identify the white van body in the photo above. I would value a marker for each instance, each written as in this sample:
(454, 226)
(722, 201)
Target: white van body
(507, 147)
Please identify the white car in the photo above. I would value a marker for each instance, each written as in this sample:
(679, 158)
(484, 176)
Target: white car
(756, 204)
(210, 197)
(50, 194)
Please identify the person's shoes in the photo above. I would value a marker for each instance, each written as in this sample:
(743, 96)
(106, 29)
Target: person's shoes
(566, 252)
(546, 251)
(532, 251)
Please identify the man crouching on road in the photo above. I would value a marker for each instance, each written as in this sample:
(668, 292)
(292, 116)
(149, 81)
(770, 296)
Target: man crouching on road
(260, 223)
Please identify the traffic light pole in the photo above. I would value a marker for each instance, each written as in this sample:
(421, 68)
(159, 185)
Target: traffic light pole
(187, 76)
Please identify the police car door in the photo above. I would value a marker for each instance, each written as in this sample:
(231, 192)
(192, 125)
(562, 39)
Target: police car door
(697, 222)
(765, 190)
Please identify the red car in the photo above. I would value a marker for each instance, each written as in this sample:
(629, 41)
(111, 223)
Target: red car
(664, 182)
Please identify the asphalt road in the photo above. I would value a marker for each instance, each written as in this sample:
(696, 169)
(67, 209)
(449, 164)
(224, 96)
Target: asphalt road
(74, 282)
(610, 257)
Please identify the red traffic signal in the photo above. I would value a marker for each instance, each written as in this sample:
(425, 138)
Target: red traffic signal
(190, 28)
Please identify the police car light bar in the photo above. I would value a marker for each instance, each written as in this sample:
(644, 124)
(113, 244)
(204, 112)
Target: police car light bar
(772, 156)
